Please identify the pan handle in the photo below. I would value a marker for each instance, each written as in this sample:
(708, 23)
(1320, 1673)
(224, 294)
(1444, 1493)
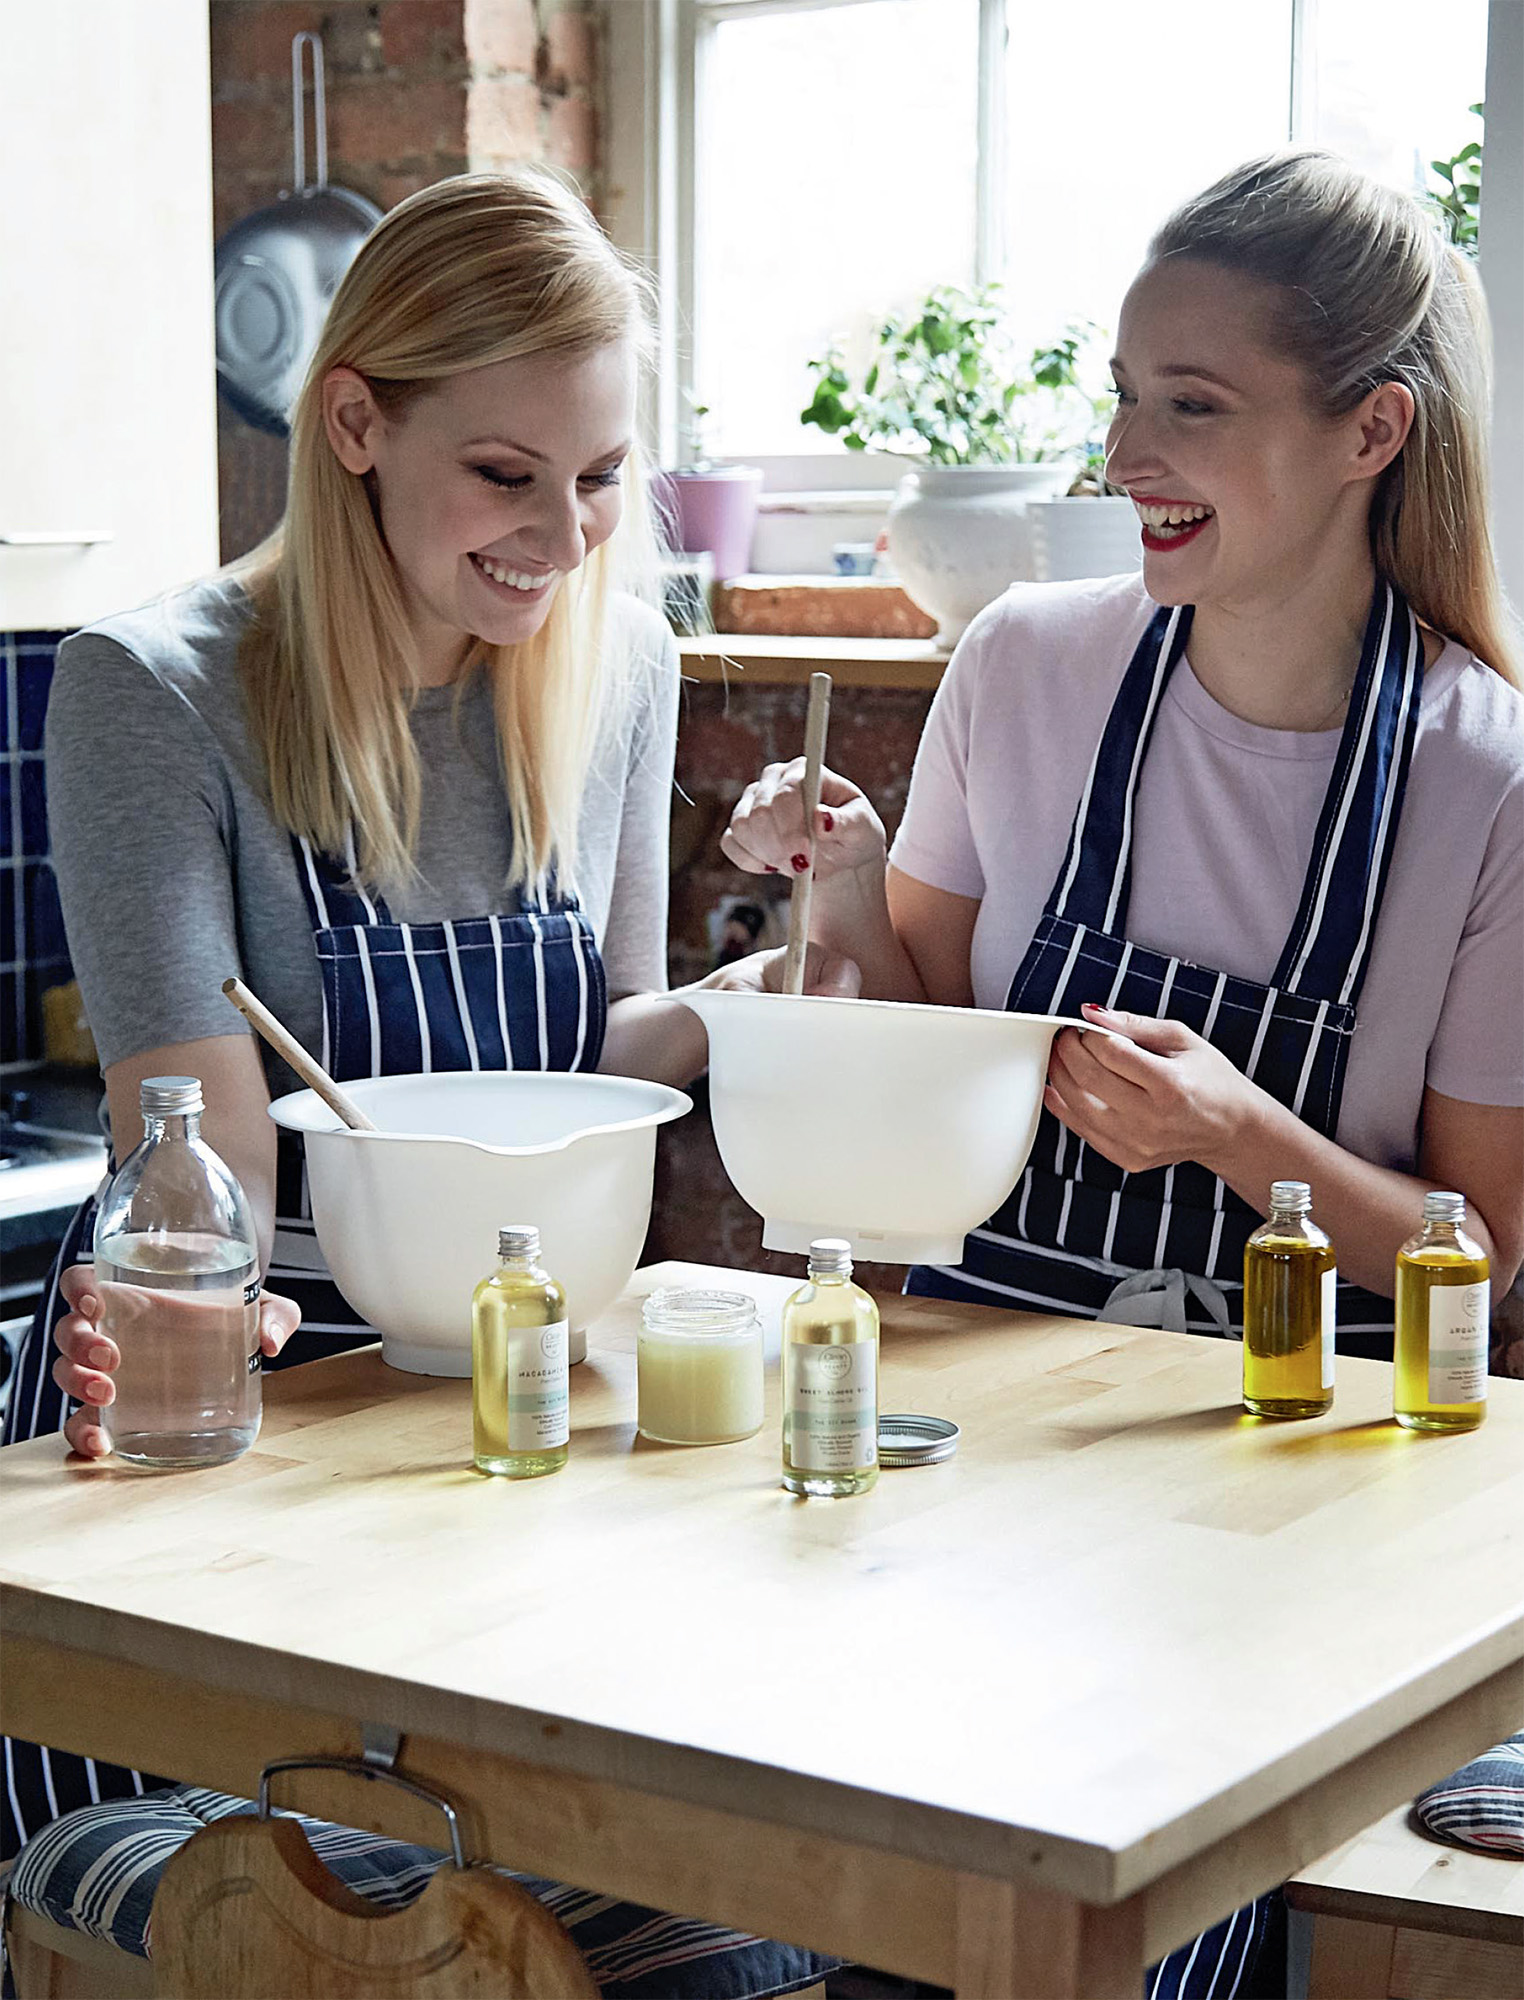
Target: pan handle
(300, 43)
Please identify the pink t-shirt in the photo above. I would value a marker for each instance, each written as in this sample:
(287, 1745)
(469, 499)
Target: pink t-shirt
(1225, 817)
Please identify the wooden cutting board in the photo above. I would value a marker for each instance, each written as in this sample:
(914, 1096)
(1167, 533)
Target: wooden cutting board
(247, 1911)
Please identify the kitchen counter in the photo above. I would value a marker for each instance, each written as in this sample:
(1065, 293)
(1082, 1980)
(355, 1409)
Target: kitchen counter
(58, 1150)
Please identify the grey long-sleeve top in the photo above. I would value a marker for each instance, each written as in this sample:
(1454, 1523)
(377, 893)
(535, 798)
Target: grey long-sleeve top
(173, 873)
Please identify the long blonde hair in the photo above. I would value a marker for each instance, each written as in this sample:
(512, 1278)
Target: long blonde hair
(475, 270)
(1366, 291)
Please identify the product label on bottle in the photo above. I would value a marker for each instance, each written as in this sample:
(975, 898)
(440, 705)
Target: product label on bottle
(251, 1292)
(833, 1418)
(1330, 1320)
(1458, 1316)
(539, 1411)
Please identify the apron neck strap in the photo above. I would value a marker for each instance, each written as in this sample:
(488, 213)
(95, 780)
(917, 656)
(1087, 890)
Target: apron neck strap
(1328, 950)
(1326, 954)
(334, 893)
(1095, 882)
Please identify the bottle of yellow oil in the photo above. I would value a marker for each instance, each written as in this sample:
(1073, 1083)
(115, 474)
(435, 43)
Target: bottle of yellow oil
(1290, 1284)
(519, 1401)
(830, 1379)
(1443, 1310)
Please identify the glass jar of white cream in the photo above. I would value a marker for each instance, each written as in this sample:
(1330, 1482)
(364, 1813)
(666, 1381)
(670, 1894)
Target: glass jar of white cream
(699, 1362)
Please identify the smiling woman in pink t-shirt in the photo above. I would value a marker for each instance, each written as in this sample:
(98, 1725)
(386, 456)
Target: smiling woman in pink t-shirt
(1261, 812)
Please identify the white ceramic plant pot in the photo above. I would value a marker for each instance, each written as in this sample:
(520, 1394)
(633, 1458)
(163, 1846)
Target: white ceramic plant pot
(1089, 535)
(407, 1216)
(898, 1127)
(958, 535)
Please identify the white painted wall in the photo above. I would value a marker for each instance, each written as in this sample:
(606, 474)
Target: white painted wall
(1501, 263)
(107, 368)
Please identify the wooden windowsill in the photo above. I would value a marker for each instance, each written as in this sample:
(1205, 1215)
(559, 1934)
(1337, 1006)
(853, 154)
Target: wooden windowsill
(743, 659)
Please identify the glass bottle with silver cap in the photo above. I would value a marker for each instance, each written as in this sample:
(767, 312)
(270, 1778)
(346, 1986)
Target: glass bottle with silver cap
(520, 1405)
(830, 1379)
(177, 1275)
(1443, 1318)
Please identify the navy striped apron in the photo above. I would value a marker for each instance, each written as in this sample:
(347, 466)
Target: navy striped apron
(520, 991)
(1165, 1246)
(523, 990)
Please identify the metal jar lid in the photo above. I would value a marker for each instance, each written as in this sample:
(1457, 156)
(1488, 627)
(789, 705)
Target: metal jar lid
(915, 1440)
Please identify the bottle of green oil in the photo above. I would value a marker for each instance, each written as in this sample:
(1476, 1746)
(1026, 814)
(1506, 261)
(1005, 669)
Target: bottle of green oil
(830, 1379)
(1443, 1309)
(1290, 1285)
(519, 1400)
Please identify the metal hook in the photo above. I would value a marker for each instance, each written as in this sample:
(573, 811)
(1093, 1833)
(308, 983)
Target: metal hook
(381, 1746)
(299, 43)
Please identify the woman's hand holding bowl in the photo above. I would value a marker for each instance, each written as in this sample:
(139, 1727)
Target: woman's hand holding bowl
(1149, 1094)
(827, 974)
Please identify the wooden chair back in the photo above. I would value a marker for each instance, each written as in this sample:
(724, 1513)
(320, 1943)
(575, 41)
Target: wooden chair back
(247, 1911)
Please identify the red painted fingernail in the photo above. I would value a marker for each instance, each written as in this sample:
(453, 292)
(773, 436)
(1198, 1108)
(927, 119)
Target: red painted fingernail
(770, 869)
(800, 863)
(828, 821)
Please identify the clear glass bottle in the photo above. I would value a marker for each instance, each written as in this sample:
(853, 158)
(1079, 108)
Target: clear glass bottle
(1290, 1287)
(830, 1379)
(520, 1402)
(1444, 1298)
(177, 1275)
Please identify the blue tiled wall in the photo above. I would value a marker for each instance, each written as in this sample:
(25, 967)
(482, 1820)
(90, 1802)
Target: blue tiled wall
(33, 954)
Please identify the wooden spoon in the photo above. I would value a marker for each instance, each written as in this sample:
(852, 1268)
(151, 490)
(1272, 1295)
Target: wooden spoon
(290, 1050)
(816, 721)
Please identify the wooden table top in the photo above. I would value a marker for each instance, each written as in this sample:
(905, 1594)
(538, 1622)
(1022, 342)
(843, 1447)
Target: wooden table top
(1121, 1623)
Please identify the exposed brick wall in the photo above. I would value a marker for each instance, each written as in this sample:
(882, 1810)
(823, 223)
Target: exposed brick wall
(417, 90)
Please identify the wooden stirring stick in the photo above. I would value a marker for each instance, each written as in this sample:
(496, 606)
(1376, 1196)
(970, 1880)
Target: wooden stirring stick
(799, 902)
(290, 1050)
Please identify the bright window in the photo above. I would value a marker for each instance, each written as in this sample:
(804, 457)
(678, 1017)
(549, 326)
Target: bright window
(1390, 86)
(840, 164)
(1108, 129)
(836, 176)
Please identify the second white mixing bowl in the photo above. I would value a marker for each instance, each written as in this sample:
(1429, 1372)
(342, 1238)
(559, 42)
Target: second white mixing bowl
(407, 1216)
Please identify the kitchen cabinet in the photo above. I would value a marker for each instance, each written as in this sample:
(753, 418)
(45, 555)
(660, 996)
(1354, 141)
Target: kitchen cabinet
(108, 473)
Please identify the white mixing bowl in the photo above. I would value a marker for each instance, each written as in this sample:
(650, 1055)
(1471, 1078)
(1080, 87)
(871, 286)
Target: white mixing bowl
(898, 1127)
(407, 1216)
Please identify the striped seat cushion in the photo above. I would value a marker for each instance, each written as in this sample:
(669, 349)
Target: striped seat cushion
(96, 1871)
(1482, 1804)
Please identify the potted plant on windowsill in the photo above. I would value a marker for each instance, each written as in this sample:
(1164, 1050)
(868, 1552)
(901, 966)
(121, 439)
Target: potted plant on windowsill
(1093, 529)
(711, 507)
(988, 433)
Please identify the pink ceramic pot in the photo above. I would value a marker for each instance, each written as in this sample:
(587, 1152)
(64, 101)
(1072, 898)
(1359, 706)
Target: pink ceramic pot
(715, 509)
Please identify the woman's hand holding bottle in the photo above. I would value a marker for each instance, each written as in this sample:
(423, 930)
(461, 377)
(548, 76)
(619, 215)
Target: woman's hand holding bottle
(88, 1358)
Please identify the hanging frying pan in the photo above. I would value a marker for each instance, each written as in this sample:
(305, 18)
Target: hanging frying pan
(278, 268)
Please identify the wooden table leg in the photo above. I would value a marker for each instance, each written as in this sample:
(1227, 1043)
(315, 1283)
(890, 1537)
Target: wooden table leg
(1021, 1943)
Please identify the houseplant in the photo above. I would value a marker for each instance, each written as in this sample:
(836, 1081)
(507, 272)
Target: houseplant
(988, 428)
(1459, 202)
(1093, 529)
